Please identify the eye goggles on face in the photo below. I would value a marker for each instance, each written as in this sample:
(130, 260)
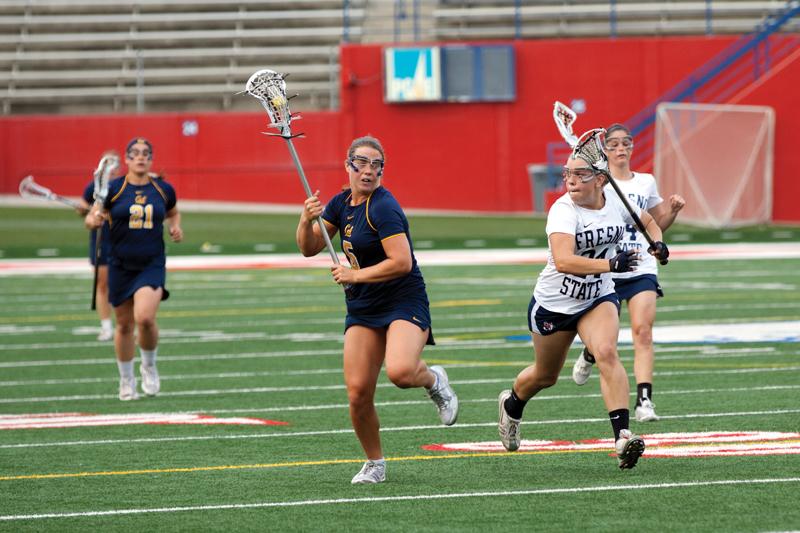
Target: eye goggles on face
(360, 162)
(133, 152)
(626, 142)
(583, 174)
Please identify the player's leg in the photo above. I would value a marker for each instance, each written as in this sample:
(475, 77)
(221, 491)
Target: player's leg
(599, 329)
(103, 305)
(124, 345)
(363, 356)
(642, 311)
(145, 306)
(405, 368)
(550, 352)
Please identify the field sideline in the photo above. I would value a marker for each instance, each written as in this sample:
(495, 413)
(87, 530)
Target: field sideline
(252, 433)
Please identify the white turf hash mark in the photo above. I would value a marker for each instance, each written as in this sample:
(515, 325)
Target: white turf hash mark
(349, 431)
(457, 495)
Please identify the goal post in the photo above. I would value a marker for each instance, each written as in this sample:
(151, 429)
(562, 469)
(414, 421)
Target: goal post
(719, 158)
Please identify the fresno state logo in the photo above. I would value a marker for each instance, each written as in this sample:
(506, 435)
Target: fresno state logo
(547, 326)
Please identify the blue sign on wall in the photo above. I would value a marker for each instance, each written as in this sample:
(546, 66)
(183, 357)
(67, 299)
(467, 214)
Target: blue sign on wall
(413, 74)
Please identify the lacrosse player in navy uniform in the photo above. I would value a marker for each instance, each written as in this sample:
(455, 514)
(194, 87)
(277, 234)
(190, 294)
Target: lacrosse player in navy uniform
(136, 207)
(103, 305)
(640, 288)
(574, 294)
(388, 318)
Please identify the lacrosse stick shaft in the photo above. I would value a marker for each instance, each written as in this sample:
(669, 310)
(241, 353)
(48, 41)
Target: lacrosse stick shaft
(634, 216)
(322, 229)
(97, 240)
(307, 187)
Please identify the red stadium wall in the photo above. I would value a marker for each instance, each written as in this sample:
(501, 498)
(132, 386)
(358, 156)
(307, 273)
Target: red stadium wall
(439, 156)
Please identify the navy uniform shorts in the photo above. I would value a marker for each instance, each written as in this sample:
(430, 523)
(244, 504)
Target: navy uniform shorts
(124, 281)
(545, 322)
(627, 288)
(414, 311)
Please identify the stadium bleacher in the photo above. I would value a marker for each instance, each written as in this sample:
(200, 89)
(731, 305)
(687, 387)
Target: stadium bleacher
(95, 56)
(99, 56)
(499, 19)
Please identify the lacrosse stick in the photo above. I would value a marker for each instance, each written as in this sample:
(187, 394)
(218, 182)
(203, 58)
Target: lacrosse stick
(29, 189)
(590, 148)
(269, 87)
(107, 166)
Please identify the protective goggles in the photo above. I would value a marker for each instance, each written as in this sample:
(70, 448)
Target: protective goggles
(626, 142)
(583, 174)
(361, 162)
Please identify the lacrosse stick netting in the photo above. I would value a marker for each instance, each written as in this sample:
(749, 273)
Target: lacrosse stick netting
(108, 164)
(269, 87)
(564, 117)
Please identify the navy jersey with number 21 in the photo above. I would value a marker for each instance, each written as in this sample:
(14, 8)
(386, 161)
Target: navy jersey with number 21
(137, 215)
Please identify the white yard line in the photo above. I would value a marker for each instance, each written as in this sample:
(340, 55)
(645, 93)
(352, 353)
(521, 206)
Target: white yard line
(349, 431)
(415, 497)
(773, 250)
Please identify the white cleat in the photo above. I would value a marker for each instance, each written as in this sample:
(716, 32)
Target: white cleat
(629, 448)
(507, 427)
(444, 397)
(581, 370)
(151, 383)
(127, 389)
(646, 412)
(371, 472)
(106, 335)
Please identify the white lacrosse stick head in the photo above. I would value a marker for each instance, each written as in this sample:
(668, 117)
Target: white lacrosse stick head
(589, 147)
(564, 117)
(28, 188)
(270, 89)
(108, 164)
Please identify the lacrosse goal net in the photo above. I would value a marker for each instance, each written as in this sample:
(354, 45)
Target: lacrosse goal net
(719, 158)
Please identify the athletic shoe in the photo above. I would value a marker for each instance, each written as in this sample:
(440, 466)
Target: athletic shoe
(629, 448)
(127, 389)
(371, 472)
(443, 396)
(507, 427)
(151, 383)
(582, 369)
(106, 335)
(646, 412)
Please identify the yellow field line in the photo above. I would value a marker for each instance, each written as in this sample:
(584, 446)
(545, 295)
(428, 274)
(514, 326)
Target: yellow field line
(285, 465)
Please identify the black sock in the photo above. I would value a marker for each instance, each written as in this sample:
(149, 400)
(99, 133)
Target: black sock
(620, 419)
(514, 405)
(587, 355)
(644, 391)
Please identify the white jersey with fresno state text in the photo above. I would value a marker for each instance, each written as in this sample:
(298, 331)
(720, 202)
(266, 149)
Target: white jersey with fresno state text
(597, 232)
(641, 191)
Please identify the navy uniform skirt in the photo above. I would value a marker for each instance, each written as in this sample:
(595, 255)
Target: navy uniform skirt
(415, 311)
(125, 278)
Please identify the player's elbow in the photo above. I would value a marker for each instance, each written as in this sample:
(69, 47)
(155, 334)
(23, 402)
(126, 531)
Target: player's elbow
(403, 265)
(562, 265)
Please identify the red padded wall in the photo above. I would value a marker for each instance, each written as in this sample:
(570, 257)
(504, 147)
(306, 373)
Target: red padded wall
(439, 156)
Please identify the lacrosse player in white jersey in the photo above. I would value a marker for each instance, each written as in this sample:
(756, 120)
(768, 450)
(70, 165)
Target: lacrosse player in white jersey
(574, 294)
(640, 288)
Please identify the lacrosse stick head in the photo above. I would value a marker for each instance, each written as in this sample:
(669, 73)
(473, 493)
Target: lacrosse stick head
(269, 87)
(564, 117)
(108, 164)
(589, 147)
(29, 189)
